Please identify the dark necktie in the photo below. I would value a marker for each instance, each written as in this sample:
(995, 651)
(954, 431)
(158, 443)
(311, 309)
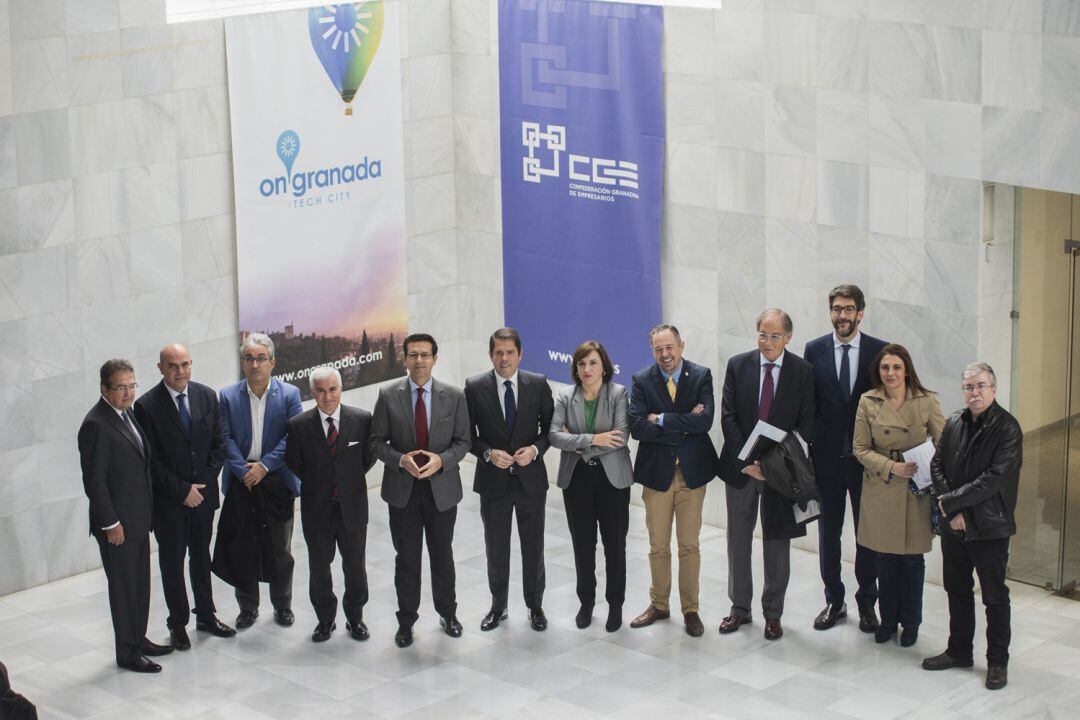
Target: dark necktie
(510, 406)
(185, 416)
(421, 427)
(845, 373)
(768, 391)
(331, 437)
(130, 425)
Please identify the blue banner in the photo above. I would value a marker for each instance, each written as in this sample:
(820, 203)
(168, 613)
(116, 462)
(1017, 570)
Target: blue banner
(582, 145)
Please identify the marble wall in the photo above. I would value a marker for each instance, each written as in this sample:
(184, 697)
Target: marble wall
(810, 142)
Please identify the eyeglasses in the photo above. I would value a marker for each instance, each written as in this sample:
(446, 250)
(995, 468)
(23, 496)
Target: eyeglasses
(846, 310)
(256, 359)
(125, 388)
(766, 337)
(981, 387)
(413, 356)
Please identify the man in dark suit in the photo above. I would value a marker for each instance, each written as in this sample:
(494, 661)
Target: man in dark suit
(115, 457)
(327, 448)
(254, 414)
(770, 385)
(181, 420)
(420, 430)
(841, 363)
(510, 416)
(671, 413)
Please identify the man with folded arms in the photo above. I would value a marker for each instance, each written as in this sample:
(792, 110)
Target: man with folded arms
(671, 413)
(327, 448)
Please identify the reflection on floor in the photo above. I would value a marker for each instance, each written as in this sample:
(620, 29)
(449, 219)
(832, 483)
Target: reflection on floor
(57, 641)
(1035, 549)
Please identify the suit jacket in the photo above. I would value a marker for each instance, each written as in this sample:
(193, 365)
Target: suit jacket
(576, 443)
(308, 457)
(489, 432)
(684, 436)
(116, 473)
(393, 433)
(283, 402)
(178, 461)
(792, 407)
(834, 420)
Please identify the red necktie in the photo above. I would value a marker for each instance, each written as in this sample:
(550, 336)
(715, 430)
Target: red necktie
(768, 390)
(331, 441)
(421, 427)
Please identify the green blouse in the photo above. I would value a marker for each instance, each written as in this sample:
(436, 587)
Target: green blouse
(590, 416)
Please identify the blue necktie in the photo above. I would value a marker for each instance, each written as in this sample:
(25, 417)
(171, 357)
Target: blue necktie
(511, 406)
(845, 373)
(185, 416)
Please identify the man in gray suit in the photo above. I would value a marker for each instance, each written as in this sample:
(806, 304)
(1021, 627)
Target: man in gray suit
(420, 430)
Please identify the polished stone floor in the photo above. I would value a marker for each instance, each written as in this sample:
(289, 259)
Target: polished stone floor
(56, 639)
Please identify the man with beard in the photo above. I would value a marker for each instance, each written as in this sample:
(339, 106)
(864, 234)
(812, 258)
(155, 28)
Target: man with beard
(841, 363)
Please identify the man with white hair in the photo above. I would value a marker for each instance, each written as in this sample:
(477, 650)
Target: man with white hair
(254, 412)
(327, 448)
(976, 473)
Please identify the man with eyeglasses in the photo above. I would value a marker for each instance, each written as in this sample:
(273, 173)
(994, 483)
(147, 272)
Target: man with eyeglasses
(764, 384)
(841, 363)
(420, 430)
(254, 417)
(114, 453)
(976, 474)
(182, 421)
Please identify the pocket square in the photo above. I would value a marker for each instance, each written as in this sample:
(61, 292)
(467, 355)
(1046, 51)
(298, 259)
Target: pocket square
(353, 442)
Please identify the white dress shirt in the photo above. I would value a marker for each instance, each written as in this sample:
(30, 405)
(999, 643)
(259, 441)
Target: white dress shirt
(500, 383)
(337, 421)
(775, 373)
(258, 414)
(853, 356)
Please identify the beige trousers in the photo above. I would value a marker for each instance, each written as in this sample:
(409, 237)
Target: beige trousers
(681, 505)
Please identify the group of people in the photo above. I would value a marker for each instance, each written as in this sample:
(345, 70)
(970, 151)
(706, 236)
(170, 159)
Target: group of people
(856, 401)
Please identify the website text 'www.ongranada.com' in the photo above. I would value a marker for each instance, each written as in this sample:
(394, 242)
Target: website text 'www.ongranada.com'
(562, 357)
(339, 364)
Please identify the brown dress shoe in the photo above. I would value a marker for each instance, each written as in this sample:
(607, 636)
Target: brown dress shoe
(773, 631)
(694, 626)
(651, 615)
(732, 623)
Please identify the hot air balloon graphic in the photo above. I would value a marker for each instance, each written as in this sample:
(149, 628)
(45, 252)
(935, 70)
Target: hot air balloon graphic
(345, 38)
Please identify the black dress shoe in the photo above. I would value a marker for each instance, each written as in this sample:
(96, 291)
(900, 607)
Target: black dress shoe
(284, 617)
(246, 619)
(614, 618)
(944, 661)
(357, 630)
(403, 637)
(997, 676)
(909, 635)
(583, 619)
(450, 626)
(214, 626)
(150, 649)
(868, 621)
(322, 631)
(178, 639)
(537, 619)
(883, 633)
(140, 665)
(828, 617)
(492, 619)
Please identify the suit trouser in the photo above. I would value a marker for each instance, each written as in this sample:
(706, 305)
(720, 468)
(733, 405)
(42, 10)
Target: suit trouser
(497, 514)
(988, 559)
(185, 532)
(834, 499)
(281, 589)
(683, 506)
(409, 526)
(322, 542)
(127, 570)
(591, 502)
(900, 589)
(742, 516)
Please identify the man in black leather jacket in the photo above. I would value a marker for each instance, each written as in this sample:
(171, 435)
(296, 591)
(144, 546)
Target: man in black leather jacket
(976, 471)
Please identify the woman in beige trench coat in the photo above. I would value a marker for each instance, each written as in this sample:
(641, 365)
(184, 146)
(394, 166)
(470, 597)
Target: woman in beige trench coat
(895, 415)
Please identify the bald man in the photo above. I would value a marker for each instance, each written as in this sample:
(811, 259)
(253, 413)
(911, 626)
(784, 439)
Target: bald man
(181, 420)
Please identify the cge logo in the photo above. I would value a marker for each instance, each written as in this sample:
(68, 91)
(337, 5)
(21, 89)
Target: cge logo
(581, 168)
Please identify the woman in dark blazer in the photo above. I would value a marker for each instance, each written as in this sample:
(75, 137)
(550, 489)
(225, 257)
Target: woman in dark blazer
(590, 426)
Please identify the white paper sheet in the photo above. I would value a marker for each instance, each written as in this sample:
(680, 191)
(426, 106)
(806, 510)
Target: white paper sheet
(921, 455)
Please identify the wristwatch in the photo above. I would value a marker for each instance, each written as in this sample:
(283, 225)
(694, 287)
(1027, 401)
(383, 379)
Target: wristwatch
(487, 455)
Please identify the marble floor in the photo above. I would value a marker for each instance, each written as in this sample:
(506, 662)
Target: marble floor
(56, 640)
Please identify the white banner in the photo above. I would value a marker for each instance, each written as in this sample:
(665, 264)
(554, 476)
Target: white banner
(315, 102)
